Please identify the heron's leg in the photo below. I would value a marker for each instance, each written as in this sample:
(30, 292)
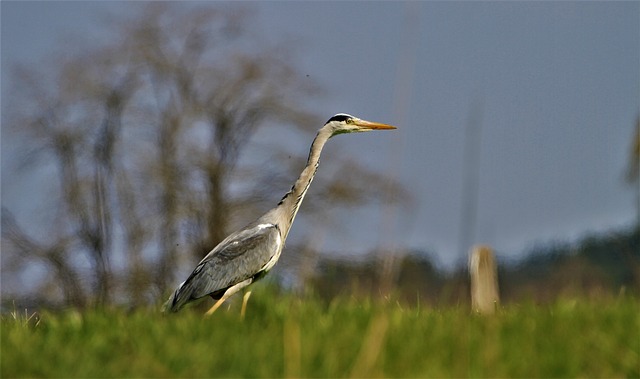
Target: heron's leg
(230, 291)
(216, 305)
(245, 300)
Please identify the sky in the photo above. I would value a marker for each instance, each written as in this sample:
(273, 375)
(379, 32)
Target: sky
(552, 87)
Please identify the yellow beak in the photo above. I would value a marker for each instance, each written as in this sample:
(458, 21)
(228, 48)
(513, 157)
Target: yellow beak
(373, 125)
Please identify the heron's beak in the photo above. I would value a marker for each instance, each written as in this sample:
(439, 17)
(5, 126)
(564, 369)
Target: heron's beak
(368, 125)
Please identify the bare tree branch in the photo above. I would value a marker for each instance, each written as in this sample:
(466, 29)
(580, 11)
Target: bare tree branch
(146, 136)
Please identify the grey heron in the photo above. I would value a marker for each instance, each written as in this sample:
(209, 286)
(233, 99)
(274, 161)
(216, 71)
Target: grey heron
(248, 254)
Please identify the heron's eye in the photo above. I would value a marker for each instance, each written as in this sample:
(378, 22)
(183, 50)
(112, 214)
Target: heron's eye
(349, 121)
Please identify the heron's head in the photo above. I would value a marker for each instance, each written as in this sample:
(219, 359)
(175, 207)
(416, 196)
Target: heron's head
(345, 123)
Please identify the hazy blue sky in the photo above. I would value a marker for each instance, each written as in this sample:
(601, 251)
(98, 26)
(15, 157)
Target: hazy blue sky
(555, 87)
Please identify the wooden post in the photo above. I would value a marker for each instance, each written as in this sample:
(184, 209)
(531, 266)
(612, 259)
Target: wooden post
(485, 296)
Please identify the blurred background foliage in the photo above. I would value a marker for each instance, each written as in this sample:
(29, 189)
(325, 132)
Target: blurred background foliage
(143, 140)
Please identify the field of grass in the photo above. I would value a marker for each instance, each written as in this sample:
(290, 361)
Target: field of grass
(286, 336)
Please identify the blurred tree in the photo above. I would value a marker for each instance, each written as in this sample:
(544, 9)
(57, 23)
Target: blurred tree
(146, 135)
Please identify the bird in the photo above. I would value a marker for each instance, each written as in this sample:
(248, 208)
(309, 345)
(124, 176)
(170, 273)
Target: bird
(249, 253)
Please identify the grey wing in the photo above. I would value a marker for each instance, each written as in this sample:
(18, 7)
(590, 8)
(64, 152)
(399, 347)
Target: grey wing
(239, 257)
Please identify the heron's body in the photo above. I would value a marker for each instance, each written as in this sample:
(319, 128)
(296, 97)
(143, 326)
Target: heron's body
(248, 254)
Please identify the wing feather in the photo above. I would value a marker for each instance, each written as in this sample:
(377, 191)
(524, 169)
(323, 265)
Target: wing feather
(239, 257)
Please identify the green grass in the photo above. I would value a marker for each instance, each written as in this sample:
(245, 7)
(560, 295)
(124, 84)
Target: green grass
(283, 335)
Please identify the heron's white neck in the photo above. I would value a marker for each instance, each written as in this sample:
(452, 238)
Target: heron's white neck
(290, 203)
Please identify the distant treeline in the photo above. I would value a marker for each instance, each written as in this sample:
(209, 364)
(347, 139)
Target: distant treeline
(598, 266)
(603, 265)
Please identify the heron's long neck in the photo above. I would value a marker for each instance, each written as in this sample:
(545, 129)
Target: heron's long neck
(290, 203)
